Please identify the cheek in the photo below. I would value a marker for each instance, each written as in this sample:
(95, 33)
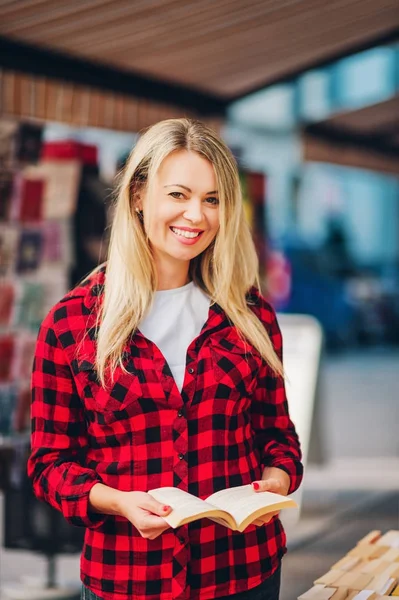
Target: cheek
(157, 225)
(214, 223)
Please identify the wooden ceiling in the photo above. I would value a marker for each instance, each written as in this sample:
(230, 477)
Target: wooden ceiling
(225, 48)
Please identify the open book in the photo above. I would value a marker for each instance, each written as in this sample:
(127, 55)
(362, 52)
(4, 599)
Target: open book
(235, 508)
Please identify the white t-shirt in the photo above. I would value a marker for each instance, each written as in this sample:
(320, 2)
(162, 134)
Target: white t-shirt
(175, 319)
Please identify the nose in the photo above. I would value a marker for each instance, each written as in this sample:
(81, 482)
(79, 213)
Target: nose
(194, 211)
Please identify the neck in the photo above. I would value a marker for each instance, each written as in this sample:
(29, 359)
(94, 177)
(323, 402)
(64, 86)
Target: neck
(171, 276)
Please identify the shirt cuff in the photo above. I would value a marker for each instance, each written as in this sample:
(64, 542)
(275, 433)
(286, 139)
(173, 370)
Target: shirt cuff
(76, 507)
(293, 468)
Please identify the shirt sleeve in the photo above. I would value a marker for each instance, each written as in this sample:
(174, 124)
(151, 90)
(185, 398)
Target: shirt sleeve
(59, 439)
(275, 432)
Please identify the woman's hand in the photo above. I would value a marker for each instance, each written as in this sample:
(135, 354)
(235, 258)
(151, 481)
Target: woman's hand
(144, 512)
(273, 480)
(141, 509)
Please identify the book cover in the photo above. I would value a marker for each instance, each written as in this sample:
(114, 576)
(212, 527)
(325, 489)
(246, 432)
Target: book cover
(29, 250)
(15, 201)
(7, 303)
(54, 242)
(6, 187)
(31, 202)
(8, 249)
(62, 179)
(24, 350)
(30, 308)
(7, 345)
(8, 400)
(55, 286)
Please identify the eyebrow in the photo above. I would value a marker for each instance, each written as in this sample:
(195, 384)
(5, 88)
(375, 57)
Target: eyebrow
(187, 188)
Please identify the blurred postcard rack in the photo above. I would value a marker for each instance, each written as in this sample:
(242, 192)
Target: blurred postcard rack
(37, 200)
(39, 186)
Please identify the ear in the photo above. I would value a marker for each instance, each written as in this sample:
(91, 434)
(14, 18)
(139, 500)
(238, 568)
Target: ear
(137, 202)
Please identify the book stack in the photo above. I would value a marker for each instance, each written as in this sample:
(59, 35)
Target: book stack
(370, 571)
(38, 197)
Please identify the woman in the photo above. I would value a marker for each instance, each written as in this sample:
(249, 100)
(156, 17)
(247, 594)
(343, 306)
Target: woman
(163, 368)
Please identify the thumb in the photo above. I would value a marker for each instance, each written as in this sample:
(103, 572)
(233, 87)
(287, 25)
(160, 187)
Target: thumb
(268, 485)
(157, 508)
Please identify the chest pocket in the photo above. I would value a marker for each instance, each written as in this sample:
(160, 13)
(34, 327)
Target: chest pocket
(105, 404)
(235, 364)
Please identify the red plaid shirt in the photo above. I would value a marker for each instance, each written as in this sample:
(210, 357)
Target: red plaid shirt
(228, 422)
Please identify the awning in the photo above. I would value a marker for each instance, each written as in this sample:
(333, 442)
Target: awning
(215, 50)
(366, 138)
(31, 96)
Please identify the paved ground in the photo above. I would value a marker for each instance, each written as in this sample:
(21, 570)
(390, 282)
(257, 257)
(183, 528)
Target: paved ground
(357, 488)
(360, 404)
(343, 499)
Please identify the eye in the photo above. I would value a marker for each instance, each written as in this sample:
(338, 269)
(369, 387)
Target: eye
(177, 195)
(212, 200)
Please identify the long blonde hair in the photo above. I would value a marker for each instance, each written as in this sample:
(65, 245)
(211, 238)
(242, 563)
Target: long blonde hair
(226, 270)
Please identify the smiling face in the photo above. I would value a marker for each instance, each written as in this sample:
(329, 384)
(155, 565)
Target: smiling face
(181, 211)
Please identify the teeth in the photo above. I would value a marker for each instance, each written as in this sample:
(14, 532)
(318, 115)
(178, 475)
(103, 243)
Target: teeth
(186, 234)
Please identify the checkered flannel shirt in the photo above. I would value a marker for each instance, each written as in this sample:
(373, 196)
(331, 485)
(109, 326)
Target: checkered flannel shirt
(229, 421)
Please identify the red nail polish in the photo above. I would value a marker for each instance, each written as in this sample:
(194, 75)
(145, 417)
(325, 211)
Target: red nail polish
(166, 508)
(256, 485)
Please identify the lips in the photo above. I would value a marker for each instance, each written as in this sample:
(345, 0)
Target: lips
(187, 233)
(187, 236)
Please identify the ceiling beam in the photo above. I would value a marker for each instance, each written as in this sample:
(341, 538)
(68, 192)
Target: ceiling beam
(315, 149)
(18, 56)
(388, 37)
(322, 143)
(344, 137)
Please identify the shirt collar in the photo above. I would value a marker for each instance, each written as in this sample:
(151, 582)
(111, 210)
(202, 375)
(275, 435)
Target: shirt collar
(92, 291)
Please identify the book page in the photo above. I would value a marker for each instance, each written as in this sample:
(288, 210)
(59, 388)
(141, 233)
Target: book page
(186, 507)
(245, 505)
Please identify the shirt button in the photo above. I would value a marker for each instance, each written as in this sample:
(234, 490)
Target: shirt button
(180, 413)
(181, 456)
(190, 370)
(182, 540)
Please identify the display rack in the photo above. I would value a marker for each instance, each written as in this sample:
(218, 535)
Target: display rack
(38, 196)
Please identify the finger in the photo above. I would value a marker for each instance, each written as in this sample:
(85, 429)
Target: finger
(148, 522)
(268, 485)
(268, 517)
(263, 521)
(274, 514)
(154, 534)
(155, 507)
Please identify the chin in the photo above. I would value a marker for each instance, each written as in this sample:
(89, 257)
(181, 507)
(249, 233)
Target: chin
(185, 256)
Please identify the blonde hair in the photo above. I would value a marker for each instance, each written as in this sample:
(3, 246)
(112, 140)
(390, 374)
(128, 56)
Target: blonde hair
(226, 270)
